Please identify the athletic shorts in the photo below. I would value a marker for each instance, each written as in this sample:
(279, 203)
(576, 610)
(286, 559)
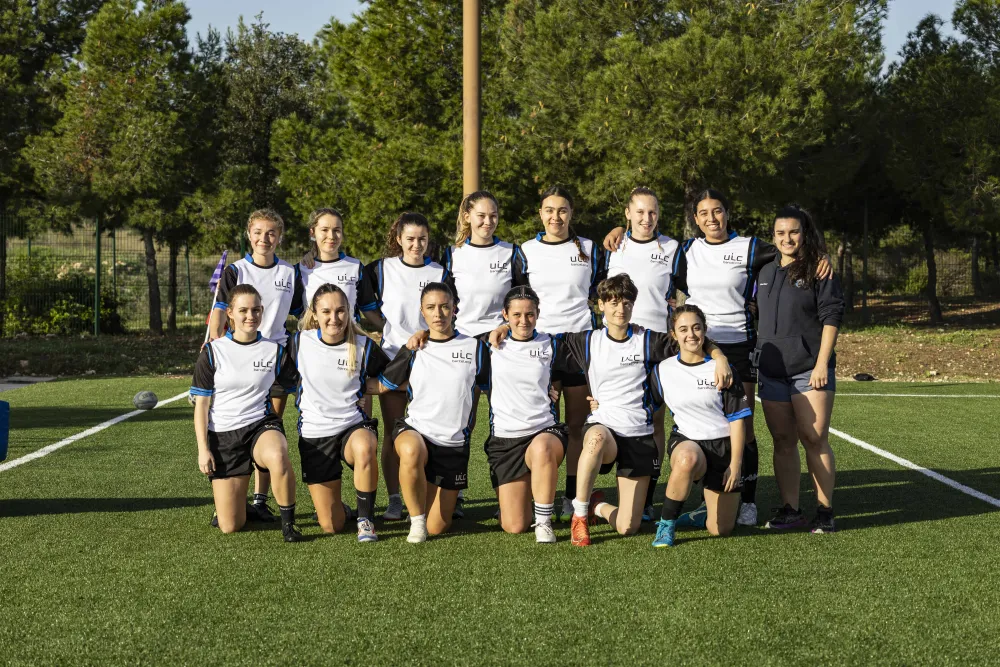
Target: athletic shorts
(739, 355)
(637, 456)
(718, 454)
(323, 458)
(782, 389)
(569, 379)
(233, 450)
(506, 455)
(447, 467)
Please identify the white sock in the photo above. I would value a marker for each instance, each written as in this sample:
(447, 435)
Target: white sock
(597, 510)
(580, 507)
(543, 512)
(420, 518)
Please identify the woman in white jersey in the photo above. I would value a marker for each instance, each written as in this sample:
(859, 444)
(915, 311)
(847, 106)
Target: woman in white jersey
(390, 299)
(707, 439)
(234, 423)
(647, 256)
(564, 270)
(432, 441)
(277, 283)
(334, 361)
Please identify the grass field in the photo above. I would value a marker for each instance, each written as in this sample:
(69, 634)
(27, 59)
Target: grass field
(107, 556)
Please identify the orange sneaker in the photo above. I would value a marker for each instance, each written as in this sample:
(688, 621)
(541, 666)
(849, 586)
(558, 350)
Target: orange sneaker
(596, 498)
(579, 532)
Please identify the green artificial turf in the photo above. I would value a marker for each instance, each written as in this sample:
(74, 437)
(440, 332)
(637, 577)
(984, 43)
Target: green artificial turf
(107, 556)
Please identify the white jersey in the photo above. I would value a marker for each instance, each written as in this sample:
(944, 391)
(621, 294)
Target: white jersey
(483, 275)
(327, 392)
(520, 377)
(564, 282)
(442, 380)
(719, 278)
(650, 266)
(617, 372)
(701, 412)
(238, 376)
(392, 287)
(344, 272)
(278, 285)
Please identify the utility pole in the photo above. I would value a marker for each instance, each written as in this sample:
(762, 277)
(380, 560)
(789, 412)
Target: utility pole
(471, 123)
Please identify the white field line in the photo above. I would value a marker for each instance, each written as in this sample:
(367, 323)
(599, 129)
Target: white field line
(45, 451)
(840, 393)
(947, 481)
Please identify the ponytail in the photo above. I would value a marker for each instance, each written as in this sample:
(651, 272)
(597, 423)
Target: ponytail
(309, 321)
(392, 246)
(464, 227)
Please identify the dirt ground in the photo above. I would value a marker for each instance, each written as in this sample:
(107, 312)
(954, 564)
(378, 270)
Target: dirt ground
(930, 355)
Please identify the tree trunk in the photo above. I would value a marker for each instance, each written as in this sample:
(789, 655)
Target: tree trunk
(172, 287)
(977, 280)
(3, 271)
(848, 278)
(995, 254)
(933, 305)
(691, 230)
(153, 281)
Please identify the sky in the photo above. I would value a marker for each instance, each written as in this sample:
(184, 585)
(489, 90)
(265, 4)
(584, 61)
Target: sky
(306, 17)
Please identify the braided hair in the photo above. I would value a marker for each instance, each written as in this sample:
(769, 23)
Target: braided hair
(559, 191)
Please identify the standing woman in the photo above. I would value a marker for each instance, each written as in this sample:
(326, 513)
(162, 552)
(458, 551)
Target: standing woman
(389, 298)
(234, 422)
(333, 360)
(564, 270)
(277, 283)
(799, 320)
(432, 442)
(647, 257)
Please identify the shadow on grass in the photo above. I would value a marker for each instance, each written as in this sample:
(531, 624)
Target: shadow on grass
(42, 506)
(49, 417)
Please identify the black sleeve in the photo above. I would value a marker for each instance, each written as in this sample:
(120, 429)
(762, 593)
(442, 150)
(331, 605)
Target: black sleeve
(397, 372)
(483, 366)
(370, 290)
(288, 372)
(227, 283)
(659, 346)
(203, 382)
(571, 352)
(599, 269)
(518, 268)
(376, 360)
(655, 388)
(735, 402)
(680, 268)
(830, 302)
(297, 308)
(763, 254)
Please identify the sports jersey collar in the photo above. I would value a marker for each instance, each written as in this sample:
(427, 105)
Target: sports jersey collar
(732, 235)
(510, 335)
(229, 335)
(492, 243)
(427, 260)
(628, 334)
(249, 257)
(684, 363)
(629, 235)
(541, 240)
(319, 336)
(444, 340)
(341, 255)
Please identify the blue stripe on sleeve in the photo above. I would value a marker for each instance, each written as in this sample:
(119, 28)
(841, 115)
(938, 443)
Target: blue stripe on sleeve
(736, 416)
(221, 305)
(383, 380)
(198, 391)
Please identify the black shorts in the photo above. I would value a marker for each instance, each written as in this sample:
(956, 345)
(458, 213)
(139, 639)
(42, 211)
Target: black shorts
(718, 454)
(637, 456)
(739, 355)
(506, 455)
(233, 450)
(447, 467)
(569, 379)
(323, 458)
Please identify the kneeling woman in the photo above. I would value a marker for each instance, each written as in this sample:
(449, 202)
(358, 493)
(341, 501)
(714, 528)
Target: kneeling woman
(526, 444)
(432, 440)
(330, 362)
(234, 422)
(708, 436)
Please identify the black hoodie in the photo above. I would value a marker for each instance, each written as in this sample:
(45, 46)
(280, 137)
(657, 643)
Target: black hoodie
(792, 318)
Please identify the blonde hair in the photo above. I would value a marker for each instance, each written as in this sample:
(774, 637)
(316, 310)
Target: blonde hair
(638, 191)
(310, 321)
(243, 289)
(464, 227)
(269, 215)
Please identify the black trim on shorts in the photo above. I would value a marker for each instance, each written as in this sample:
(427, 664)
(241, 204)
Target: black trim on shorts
(447, 467)
(506, 455)
(637, 456)
(739, 355)
(569, 379)
(322, 458)
(233, 450)
(718, 454)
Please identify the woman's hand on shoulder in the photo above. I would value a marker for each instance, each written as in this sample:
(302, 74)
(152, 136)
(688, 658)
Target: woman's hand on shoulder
(498, 335)
(614, 239)
(418, 340)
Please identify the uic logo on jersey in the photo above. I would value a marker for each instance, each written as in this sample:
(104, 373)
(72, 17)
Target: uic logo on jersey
(705, 384)
(733, 258)
(342, 363)
(631, 359)
(660, 258)
(464, 357)
(577, 260)
(263, 366)
(423, 284)
(283, 284)
(498, 267)
(539, 354)
(346, 278)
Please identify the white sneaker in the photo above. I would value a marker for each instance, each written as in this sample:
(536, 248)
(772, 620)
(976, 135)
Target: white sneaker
(366, 531)
(418, 532)
(567, 508)
(394, 512)
(544, 533)
(748, 515)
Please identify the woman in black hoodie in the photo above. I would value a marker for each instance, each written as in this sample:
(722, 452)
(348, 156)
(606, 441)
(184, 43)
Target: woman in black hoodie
(799, 320)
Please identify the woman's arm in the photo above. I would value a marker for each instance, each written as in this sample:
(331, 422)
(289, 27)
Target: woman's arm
(819, 376)
(733, 475)
(206, 463)
(723, 371)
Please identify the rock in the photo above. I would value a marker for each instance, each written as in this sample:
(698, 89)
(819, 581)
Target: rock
(932, 373)
(24, 363)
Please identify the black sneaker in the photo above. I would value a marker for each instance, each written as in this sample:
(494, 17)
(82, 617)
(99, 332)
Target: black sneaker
(459, 511)
(823, 524)
(291, 533)
(786, 518)
(261, 513)
(215, 520)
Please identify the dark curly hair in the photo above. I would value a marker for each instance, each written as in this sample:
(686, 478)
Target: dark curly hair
(802, 272)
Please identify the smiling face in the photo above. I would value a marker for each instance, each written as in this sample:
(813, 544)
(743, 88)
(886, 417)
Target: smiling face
(413, 239)
(643, 214)
(328, 233)
(788, 236)
(617, 312)
(264, 236)
(483, 220)
(689, 332)
(438, 310)
(556, 213)
(246, 312)
(521, 314)
(712, 219)
(333, 315)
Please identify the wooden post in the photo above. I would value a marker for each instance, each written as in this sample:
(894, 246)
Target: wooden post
(471, 123)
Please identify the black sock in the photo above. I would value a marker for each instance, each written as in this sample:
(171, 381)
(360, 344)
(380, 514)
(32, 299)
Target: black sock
(751, 464)
(671, 509)
(259, 498)
(823, 509)
(366, 504)
(287, 514)
(570, 487)
(651, 491)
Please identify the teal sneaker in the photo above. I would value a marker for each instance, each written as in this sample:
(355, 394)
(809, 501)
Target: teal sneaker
(664, 533)
(696, 518)
(648, 513)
